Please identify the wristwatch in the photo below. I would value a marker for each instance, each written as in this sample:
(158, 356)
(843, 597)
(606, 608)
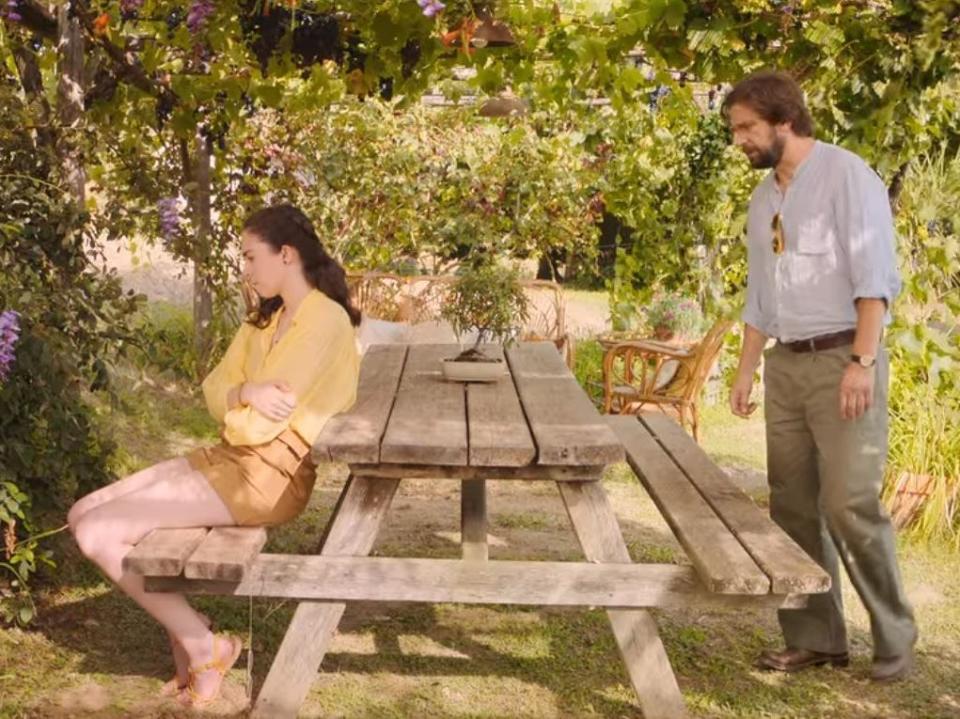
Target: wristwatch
(865, 361)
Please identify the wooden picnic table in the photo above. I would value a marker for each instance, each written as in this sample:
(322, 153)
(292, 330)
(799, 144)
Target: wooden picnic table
(534, 424)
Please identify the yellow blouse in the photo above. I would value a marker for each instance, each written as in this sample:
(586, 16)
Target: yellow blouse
(317, 356)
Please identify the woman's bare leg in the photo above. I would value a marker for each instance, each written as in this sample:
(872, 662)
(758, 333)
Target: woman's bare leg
(132, 483)
(107, 532)
(181, 662)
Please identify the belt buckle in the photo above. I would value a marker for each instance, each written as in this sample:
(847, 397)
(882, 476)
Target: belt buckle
(813, 344)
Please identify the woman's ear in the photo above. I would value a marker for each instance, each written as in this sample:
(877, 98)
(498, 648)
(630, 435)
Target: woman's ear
(288, 254)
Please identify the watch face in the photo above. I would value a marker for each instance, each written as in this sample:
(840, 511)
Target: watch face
(867, 361)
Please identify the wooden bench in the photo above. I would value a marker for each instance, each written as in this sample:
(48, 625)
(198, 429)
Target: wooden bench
(734, 546)
(222, 554)
(738, 557)
(388, 579)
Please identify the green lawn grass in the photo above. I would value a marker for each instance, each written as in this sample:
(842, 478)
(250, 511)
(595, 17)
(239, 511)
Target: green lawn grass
(92, 653)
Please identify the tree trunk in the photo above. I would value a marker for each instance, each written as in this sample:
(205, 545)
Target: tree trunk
(32, 83)
(70, 101)
(202, 289)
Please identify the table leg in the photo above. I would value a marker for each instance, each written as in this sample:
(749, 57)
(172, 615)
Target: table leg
(351, 532)
(646, 660)
(473, 519)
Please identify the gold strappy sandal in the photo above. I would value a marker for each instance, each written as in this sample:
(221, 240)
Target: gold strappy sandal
(221, 665)
(172, 687)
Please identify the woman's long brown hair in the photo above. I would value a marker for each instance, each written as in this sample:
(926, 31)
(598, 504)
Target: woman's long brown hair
(281, 225)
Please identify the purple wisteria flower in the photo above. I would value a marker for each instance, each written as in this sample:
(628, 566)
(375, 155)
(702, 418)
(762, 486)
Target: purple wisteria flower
(130, 9)
(430, 7)
(169, 209)
(9, 333)
(197, 16)
(13, 11)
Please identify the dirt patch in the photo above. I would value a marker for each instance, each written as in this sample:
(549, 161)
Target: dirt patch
(86, 698)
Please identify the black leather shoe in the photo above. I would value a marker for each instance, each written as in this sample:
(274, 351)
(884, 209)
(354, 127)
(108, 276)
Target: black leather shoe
(794, 660)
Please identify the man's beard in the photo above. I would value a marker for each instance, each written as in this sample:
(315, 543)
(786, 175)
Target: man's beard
(765, 158)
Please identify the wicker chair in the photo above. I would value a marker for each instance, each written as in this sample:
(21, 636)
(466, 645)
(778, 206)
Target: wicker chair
(640, 374)
(418, 298)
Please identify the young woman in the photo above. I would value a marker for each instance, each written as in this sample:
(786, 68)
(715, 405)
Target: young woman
(292, 365)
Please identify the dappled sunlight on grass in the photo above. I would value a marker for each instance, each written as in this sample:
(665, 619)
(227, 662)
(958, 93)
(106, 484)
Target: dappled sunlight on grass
(731, 440)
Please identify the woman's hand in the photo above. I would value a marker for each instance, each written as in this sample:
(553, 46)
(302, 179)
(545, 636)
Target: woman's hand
(274, 400)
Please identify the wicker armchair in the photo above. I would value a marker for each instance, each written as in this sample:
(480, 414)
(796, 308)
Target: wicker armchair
(640, 374)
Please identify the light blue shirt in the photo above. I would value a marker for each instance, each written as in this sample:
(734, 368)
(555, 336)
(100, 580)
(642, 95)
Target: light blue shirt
(839, 247)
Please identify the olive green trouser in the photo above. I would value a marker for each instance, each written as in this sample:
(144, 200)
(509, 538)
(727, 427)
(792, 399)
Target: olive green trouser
(825, 476)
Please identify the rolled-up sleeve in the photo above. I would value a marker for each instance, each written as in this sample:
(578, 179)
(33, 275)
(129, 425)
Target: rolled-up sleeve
(752, 309)
(319, 365)
(227, 374)
(865, 222)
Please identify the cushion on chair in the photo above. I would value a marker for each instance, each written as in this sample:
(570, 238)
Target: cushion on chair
(666, 373)
(381, 332)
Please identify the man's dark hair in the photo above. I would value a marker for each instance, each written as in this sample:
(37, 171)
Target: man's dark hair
(774, 96)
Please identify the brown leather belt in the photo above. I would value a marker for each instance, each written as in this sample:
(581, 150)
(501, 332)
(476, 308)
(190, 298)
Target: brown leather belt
(822, 342)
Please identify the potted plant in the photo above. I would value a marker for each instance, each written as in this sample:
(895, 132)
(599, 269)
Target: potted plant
(488, 300)
(672, 317)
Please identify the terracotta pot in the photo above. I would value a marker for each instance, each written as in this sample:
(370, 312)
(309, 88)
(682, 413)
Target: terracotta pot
(664, 334)
(912, 490)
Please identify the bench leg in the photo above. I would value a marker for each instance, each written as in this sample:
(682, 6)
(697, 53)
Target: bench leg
(473, 519)
(352, 531)
(643, 654)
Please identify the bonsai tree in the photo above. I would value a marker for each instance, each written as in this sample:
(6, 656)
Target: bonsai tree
(489, 299)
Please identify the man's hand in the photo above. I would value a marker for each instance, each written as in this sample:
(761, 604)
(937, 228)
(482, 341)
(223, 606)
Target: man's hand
(750, 354)
(856, 391)
(274, 400)
(740, 403)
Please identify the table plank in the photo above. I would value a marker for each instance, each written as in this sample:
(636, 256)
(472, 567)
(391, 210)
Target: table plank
(719, 558)
(354, 436)
(225, 553)
(429, 420)
(529, 473)
(163, 552)
(527, 583)
(498, 432)
(790, 569)
(566, 426)
(541, 360)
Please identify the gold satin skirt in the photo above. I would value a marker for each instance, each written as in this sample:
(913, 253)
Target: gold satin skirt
(262, 485)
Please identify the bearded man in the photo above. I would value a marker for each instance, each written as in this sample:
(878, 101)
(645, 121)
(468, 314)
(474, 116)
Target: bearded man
(821, 280)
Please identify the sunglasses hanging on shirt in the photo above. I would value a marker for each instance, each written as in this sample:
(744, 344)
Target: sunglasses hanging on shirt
(779, 243)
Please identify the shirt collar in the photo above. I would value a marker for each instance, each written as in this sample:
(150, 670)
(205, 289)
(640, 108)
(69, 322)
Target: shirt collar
(771, 179)
(807, 161)
(313, 297)
(312, 300)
